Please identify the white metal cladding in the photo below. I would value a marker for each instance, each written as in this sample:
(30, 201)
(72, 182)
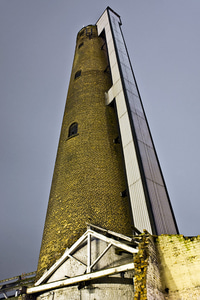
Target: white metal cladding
(124, 85)
(137, 198)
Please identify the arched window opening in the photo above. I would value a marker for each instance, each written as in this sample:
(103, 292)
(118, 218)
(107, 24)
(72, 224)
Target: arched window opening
(77, 74)
(73, 129)
(82, 32)
(89, 32)
(80, 45)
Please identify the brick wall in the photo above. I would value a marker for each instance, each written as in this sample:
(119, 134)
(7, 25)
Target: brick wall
(88, 175)
(167, 267)
(147, 280)
(179, 266)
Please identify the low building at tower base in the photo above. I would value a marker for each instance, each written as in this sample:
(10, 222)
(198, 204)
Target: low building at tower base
(106, 265)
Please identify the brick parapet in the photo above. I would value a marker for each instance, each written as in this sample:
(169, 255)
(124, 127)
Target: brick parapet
(147, 280)
(179, 266)
(167, 267)
(141, 264)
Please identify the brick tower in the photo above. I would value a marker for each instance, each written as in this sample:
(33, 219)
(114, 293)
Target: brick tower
(106, 174)
(88, 177)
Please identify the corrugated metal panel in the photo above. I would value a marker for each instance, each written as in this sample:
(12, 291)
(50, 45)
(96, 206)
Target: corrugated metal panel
(120, 103)
(118, 89)
(132, 169)
(138, 202)
(112, 59)
(148, 171)
(111, 48)
(131, 87)
(132, 123)
(155, 208)
(135, 103)
(125, 129)
(102, 22)
(115, 73)
(140, 212)
(123, 58)
(145, 136)
(127, 72)
(153, 162)
(165, 208)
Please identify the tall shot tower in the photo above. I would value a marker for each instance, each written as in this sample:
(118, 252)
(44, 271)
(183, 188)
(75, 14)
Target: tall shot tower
(106, 172)
(89, 176)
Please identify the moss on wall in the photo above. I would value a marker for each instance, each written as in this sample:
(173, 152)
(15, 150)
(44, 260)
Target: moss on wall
(141, 264)
(167, 267)
(179, 266)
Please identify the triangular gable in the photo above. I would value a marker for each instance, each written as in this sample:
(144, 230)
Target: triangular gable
(109, 239)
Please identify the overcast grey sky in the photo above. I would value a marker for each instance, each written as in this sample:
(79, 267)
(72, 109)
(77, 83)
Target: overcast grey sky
(37, 41)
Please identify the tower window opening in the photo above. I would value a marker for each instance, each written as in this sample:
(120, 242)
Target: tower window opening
(82, 32)
(116, 140)
(123, 194)
(89, 32)
(81, 44)
(73, 129)
(77, 74)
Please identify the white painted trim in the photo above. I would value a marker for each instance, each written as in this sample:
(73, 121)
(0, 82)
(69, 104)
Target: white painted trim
(77, 279)
(85, 236)
(62, 259)
(100, 256)
(116, 234)
(76, 259)
(113, 242)
(89, 254)
(110, 20)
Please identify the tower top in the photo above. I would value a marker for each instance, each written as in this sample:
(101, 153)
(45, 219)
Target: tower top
(108, 8)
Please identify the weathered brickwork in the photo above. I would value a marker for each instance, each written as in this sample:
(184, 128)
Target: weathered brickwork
(141, 263)
(180, 266)
(154, 281)
(89, 174)
(167, 267)
(147, 281)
